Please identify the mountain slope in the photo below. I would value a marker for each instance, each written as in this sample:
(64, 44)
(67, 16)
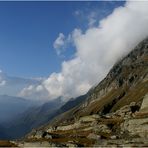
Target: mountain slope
(72, 103)
(37, 116)
(32, 118)
(126, 82)
(11, 106)
(115, 111)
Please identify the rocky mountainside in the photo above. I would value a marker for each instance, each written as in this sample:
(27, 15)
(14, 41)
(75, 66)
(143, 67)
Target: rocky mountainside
(115, 112)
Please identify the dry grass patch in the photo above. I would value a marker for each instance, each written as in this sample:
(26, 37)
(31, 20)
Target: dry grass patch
(139, 115)
(135, 94)
(112, 120)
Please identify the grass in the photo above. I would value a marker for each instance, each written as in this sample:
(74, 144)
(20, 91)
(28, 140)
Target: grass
(139, 115)
(116, 120)
(136, 94)
(96, 106)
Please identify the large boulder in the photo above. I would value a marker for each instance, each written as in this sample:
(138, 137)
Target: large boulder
(93, 136)
(136, 127)
(144, 106)
(102, 128)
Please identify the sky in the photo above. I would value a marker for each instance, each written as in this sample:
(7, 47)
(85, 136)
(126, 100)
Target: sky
(66, 48)
(29, 29)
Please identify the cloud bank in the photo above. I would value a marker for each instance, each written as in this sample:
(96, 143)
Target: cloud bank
(97, 50)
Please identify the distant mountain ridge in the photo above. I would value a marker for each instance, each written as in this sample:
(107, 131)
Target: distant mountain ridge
(21, 124)
(37, 116)
(11, 106)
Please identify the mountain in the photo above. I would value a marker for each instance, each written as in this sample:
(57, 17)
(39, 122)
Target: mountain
(73, 102)
(115, 112)
(11, 106)
(125, 83)
(36, 116)
(32, 118)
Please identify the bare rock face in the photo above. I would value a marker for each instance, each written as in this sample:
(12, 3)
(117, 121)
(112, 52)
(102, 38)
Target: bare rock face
(127, 111)
(38, 135)
(102, 128)
(144, 106)
(94, 136)
(136, 127)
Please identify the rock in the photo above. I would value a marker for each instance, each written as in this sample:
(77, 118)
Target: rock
(136, 127)
(121, 112)
(71, 145)
(38, 134)
(132, 104)
(127, 111)
(144, 106)
(89, 118)
(35, 144)
(93, 136)
(87, 129)
(108, 116)
(113, 137)
(48, 136)
(69, 127)
(102, 128)
(50, 129)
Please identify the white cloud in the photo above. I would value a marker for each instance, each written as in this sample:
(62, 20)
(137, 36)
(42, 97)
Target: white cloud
(97, 49)
(59, 44)
(35, 92)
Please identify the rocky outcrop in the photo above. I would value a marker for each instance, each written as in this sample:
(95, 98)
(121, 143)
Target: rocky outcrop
(144, 106)
(94, 136)
(136, 127)
(117, 127)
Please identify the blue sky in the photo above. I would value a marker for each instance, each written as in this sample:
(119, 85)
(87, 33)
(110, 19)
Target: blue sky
(29, 29)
